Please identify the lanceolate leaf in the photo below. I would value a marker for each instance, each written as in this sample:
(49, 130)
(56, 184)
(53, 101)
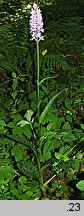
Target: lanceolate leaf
(42, 116)
(46, 78)
(24, 141)
(20, 139)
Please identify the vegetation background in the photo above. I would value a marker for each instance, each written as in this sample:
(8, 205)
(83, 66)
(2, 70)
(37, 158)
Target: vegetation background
(61, 133)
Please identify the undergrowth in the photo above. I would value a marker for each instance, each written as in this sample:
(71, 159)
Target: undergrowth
(60, 138)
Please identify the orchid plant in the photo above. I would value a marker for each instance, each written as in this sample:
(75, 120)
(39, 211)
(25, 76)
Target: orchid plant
(36, 31)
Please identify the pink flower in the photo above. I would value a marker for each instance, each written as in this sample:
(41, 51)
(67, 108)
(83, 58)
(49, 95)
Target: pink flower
(36, 23)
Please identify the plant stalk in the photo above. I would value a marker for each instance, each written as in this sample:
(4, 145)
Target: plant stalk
(38, 74)
(38, 107)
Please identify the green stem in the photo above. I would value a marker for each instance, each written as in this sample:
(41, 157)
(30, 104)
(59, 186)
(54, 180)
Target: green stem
(38, 84)
(38, 105)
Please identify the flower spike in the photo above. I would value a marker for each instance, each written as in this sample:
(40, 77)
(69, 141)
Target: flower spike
(36, 23)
